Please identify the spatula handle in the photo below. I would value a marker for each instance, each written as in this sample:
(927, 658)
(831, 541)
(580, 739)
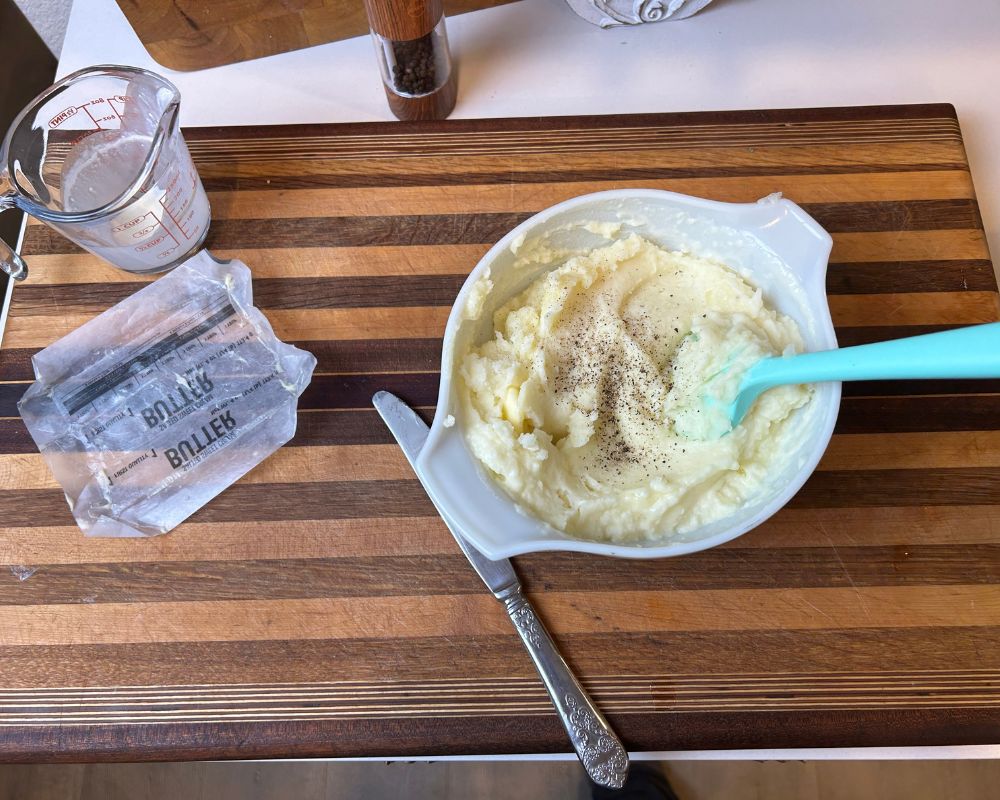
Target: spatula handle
(971, 352)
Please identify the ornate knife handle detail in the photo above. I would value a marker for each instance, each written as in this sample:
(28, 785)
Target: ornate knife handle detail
(601, 752)
(599, 749)
(527, 623)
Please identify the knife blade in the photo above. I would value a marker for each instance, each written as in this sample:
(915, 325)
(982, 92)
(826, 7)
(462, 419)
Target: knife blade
(411, 433)
(599, 749)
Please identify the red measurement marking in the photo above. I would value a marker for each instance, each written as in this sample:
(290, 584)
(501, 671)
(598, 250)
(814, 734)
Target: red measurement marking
(112, 105)
(143, 232)
(160, 221)
(62, 116)
(130, 224)
(177, 222)
(96, 123)
(142, 248)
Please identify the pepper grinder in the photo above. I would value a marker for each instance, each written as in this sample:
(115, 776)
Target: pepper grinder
(412, 50)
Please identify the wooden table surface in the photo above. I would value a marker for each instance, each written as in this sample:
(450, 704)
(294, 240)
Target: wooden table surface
(320, 607)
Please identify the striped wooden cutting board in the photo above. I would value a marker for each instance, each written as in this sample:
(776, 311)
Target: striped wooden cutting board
(321, 608)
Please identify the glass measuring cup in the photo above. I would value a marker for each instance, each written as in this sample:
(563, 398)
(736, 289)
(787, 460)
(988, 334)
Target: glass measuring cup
(100, 158)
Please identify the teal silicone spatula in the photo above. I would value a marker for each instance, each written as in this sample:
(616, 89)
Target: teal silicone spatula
(972, 352)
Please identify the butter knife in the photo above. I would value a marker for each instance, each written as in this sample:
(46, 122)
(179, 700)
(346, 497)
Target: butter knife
(599, 749)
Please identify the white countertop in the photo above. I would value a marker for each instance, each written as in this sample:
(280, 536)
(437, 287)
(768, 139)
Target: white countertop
(536, 57)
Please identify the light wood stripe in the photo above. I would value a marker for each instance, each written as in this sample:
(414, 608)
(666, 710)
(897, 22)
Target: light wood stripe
(913, 450)
(307, 262)
(233, 541)
(513, 141)
(497, 709)
(510, 686)
(762, 160)
(287, 465)
(441, 141)
(299, 262)
(243, 541)
(475, 713)
(486, 198)
(855, 131)
(920, 308)
(592, 142)
(861, 527)
(266, 154)
(936, 678)
(349, 323)
(945, 245)
(431, 697)
(386, 461)
(464, 615)
(904, 121)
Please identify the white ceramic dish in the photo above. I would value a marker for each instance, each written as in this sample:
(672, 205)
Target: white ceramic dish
(774, 242)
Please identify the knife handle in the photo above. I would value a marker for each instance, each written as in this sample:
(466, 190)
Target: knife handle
(599, 749)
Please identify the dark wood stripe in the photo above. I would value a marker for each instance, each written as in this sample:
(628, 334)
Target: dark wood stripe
(903, 115)
(388, 291)
(754, 568)
(341, 355)
(10, 393)
(314, 428)
(406, 498)
(900, 487)
(613, 653)
(909, 414)
(261, 502)
(384, 291)
(323, 392)
(924, 387)
(374, 355)
(15, 363)
(761, 568)
(857, 415)
(395, 179)
(355, 391)
(848, 337)
(486, 228)
(406, 230)
(421, 389)
(427, 229)
(424, 355)
(896, 215)
(493, 735)
(889, 277)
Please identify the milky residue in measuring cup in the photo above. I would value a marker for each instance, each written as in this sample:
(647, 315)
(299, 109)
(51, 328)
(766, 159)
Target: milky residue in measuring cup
(163, 221)
(100, 167)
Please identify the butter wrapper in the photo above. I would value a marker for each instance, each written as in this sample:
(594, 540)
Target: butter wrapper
(150, 410)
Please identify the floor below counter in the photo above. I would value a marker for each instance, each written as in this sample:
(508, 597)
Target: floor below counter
(691, 780)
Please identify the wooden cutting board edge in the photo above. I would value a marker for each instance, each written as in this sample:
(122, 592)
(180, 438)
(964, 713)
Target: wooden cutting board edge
(187, 36)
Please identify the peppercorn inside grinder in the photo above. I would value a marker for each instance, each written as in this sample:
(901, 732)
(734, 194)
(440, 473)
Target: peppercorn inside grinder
(412, 50)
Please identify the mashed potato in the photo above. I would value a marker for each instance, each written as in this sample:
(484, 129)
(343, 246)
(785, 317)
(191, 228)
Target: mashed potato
(599, 403)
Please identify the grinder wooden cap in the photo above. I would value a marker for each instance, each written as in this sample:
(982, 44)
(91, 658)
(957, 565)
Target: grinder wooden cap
(403, 20)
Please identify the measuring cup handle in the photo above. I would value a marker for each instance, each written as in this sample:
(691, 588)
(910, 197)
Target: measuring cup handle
(12, 263)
